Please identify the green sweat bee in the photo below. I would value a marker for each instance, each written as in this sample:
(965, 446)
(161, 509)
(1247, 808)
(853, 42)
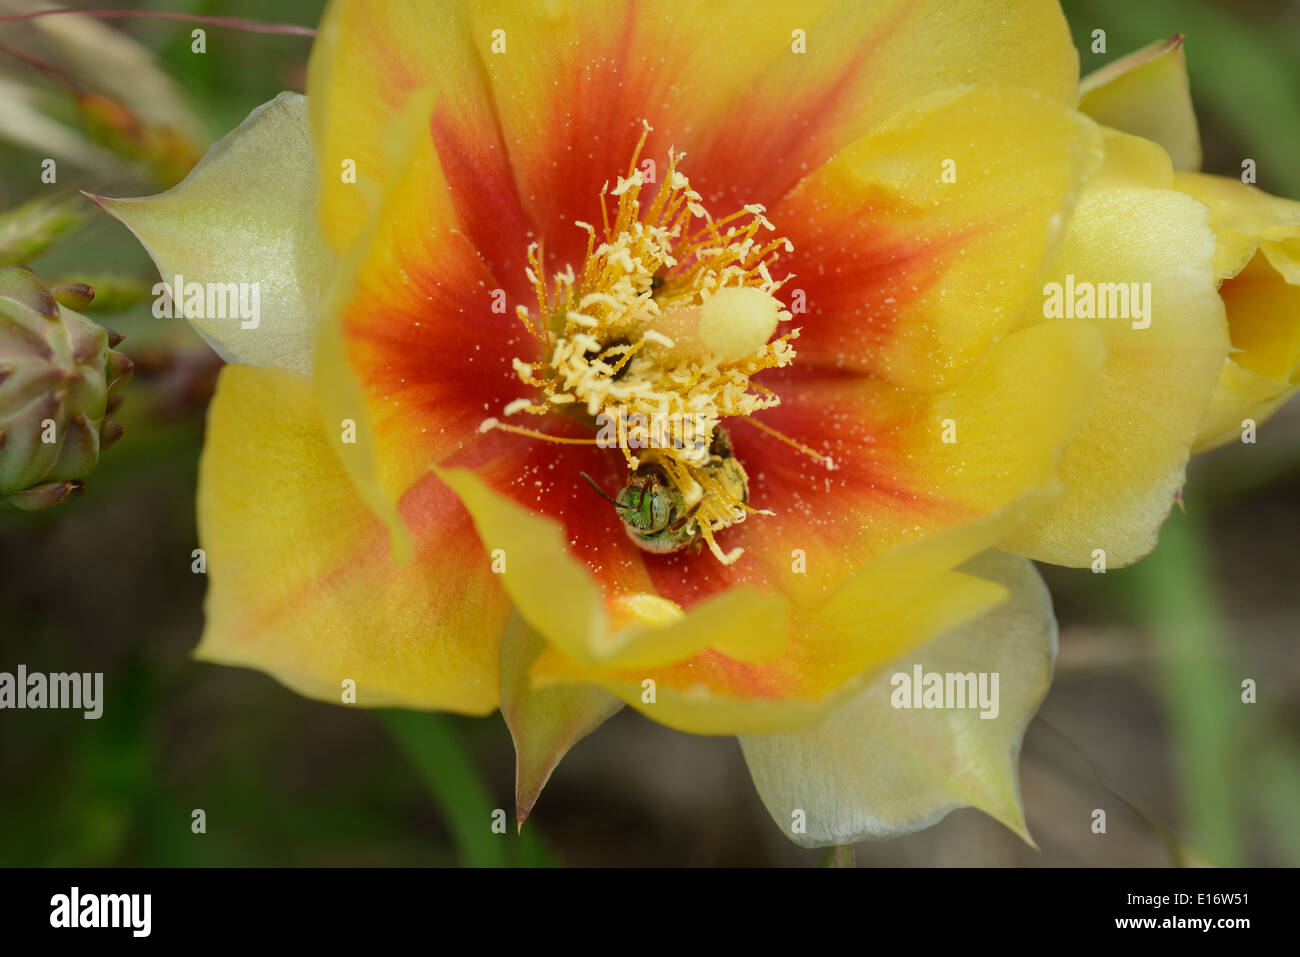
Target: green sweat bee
(656, 514)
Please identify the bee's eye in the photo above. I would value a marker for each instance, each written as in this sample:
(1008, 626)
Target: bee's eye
(644, 509)
(634, 506)
(660, 512)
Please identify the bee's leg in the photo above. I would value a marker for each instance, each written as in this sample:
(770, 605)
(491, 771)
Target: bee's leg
(686, 517)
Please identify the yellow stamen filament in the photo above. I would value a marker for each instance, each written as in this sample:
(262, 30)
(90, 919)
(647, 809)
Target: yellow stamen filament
(487, 425)
(799, 446)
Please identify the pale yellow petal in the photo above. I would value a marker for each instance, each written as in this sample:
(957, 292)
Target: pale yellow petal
(1143, 255)
(1146, 93)
(243, 224)
(871, 770)
(301, 583)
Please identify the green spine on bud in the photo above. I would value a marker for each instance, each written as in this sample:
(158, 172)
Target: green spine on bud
(108, 292)
(58, 373)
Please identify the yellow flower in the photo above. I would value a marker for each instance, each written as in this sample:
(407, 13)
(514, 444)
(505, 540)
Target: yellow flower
(1258, 262)
(820, 231)
(1257, 259)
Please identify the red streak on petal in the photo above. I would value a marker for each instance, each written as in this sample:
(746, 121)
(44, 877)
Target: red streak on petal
(429, 350)
(859, 277)
(773, 680)
(756, 157)
(441, 529)
(766, 145)
(486, 199)
(593, 128)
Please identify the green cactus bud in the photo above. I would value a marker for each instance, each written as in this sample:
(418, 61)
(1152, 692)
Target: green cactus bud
(58, 373)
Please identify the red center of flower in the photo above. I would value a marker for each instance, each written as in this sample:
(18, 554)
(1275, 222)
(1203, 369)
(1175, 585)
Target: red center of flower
(654, 341)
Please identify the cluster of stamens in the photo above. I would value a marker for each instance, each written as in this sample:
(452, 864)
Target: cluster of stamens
(668, 319)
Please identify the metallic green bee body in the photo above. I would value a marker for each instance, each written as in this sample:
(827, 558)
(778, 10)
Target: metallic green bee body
(656, 514)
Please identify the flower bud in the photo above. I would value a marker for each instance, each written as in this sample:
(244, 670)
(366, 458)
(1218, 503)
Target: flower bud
(57, 372)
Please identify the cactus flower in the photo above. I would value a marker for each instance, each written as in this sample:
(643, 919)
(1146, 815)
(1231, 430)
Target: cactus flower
(1257, 261)
(817, 236)
(1257, 257)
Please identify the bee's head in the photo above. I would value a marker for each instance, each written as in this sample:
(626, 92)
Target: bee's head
(644, 505)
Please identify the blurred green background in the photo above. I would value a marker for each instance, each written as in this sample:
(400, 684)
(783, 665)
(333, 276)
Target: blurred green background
(1144, 719)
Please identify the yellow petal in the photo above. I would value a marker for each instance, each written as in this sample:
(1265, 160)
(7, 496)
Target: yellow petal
(301, 583)
(1264, 318)
(1243, 217)
(559, 597)
(551, 588)
(919, 245)
(1130, 160)
(1284, 256)
(758, 91)
(245, 214)
(871, 770)
(1146, 93)
(887, 608)
(368, 61)
(911, 464)
(382, 288)
(544, 722)
(1264, 370)
(1241, 398)
(1258, 259)
(832, 648)
(1123, 468)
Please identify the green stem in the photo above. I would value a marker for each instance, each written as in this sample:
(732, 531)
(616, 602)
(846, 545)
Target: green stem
(1200, 683)
(436, 750)
(841, 855)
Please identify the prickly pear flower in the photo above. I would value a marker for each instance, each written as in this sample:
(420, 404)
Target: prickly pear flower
(771, 279)
(58, 373)
(1257, 261)
(1257, 256)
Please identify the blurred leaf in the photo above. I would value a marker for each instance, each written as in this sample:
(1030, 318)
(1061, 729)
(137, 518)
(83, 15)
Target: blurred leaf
(26, 119)
(1277, 791)
(1200, 685)
(28, 230)
(104, 57)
